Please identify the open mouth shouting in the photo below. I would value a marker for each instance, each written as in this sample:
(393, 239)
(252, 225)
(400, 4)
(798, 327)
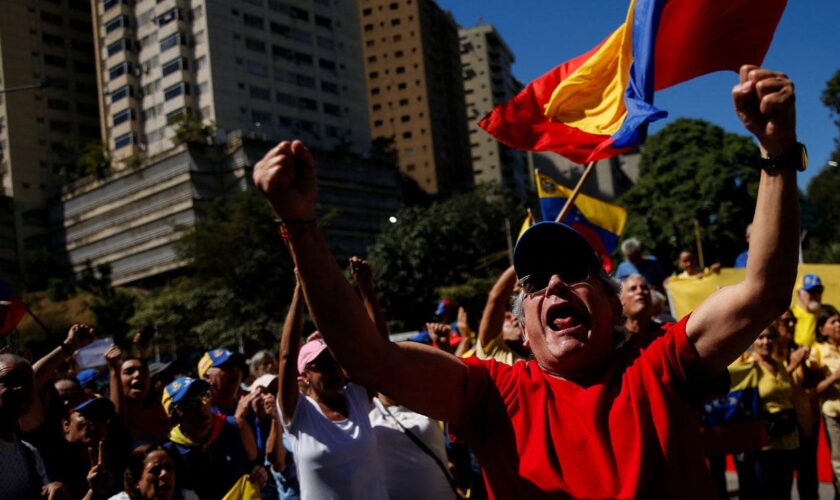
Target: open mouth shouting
(566, 319)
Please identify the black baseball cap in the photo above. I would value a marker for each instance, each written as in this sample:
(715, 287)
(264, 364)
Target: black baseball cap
(546, 246)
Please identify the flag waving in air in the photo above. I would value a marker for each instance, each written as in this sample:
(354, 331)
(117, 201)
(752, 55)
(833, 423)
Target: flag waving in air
(601, 223)
(599, 104)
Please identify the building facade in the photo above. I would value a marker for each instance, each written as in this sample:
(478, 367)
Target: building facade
(262, 68)
(48, 110)
(486, 64)
(132, 221)
(415, 90)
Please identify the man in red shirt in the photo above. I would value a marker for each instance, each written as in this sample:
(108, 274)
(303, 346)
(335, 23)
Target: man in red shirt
(585, 417)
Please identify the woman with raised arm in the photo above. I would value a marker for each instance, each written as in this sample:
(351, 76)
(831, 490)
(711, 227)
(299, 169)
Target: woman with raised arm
(326, 418)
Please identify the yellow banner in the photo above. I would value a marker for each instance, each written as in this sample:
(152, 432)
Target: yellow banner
(685, 294)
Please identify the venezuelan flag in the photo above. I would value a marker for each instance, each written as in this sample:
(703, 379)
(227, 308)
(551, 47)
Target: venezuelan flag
(600, 103)
(601, 223)
(528, 222)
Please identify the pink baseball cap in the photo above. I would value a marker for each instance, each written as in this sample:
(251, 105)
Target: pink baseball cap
(309, 352)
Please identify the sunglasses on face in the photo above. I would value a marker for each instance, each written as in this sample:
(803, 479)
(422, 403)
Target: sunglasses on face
(536, 283)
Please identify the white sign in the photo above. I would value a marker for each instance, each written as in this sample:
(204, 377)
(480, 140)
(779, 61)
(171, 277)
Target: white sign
(93, 355)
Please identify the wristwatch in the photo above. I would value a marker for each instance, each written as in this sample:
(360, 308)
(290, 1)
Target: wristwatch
(795, 158)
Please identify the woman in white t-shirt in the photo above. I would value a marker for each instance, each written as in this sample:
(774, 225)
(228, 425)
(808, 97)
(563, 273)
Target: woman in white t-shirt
(326, 419)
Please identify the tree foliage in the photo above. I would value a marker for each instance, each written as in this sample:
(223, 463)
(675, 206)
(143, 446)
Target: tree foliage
(449, 243)
(239, 284)
(823, 242)
(692, 169)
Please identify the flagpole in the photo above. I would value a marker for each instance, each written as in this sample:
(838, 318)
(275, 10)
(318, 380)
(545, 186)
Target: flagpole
(571, 201)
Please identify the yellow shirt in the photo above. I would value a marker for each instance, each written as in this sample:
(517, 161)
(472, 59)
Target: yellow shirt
(498, 350)
(826, 358)
(806, 326)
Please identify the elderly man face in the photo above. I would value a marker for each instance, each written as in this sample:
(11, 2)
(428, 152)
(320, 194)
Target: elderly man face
(635, 297)
(16, 386)
(569, 326)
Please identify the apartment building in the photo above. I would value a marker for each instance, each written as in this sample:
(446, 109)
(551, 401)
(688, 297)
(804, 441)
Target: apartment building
(486, 64)
(47, 110)
(415, 90)
(133, 220)
(265, 68)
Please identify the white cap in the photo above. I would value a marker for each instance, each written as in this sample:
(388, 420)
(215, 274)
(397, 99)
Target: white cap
(263, 381)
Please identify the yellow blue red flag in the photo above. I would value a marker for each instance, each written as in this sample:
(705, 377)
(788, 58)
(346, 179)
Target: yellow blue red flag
(600, 103)
(601, 223)
(528, 222)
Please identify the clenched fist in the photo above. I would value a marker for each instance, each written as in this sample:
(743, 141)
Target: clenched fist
(286, 177)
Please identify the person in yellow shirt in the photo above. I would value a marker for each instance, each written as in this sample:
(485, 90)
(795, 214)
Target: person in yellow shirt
(771, 468)
(825, 356)
(806, 308)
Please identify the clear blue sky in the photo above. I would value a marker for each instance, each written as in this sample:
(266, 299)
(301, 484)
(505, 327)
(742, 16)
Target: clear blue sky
(544, 33)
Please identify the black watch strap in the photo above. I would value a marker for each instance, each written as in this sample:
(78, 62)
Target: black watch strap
(795, 158)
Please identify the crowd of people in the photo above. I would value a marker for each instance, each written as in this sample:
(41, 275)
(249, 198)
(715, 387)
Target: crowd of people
(576, 383)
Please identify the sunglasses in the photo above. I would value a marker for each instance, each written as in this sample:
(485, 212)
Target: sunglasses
(536, 283)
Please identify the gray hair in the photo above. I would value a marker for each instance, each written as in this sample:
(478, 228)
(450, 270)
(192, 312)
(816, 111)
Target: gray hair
(260, 358)
(631, 276)
(631, 246)
(611, 286)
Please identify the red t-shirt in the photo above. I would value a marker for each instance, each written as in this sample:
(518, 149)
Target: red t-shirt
(631, 435)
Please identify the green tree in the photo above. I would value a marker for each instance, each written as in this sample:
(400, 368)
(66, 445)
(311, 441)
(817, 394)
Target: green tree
(240, 280)
(692, 169)
(823, 243)
(449, 243)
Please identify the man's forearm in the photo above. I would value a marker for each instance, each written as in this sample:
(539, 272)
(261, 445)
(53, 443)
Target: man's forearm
(774, 241)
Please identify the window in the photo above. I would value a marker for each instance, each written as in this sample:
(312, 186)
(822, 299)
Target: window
(332, 109)
(51, 18)
(323, 21)
(303, 59)
(286, 99)
(174, 65)
(332, 88)
(254, 44)
(201, 62)
(119, 70)
(253, 21)
(307, 104)
(116, 47)
(367, 12)
(123, 140)
(405, 118)
(261, 117)
(174, 116)
(171, 41)
(122, 116)
(176, 90)
(395, 22)
(116, 23)
(121, 93)
(328, 65)
(368, 27)
(256, 68)
(305, 81)
(59, 104)
(55, 61)
(169, 16)
(109, 4)
(52, 40)
(298, 13)
(260, 93)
